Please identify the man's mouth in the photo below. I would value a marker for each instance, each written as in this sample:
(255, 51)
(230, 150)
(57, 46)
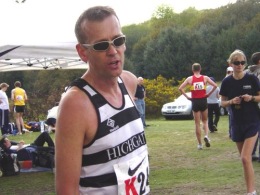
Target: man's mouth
(114, 63)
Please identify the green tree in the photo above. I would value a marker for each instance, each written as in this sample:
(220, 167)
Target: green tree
(163, 47)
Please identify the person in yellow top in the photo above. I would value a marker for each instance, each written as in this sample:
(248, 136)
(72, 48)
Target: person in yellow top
(19, 96)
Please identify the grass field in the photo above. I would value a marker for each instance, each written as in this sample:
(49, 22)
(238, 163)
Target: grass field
(176, 166)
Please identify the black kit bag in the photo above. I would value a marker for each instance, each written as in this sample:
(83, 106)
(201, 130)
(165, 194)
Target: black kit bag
(9, 164)
(45, 157)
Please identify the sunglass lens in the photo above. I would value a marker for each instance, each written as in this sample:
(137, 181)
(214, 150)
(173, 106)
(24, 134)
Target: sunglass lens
(237, 63)
(119, 41)
(101, 46)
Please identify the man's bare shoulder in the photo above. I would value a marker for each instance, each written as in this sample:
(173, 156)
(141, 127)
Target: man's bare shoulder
(71, 93)
(76, 111)
(130, 80)
(127, 75)
(74, 96)
(188, 80)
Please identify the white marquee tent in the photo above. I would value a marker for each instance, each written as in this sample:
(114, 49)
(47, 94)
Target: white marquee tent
(39, 57)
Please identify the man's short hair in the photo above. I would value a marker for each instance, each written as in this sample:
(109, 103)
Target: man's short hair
(97, 13)
(140, 78)
(17, 84)
(2, 85)
(196, 67)
(255, 58)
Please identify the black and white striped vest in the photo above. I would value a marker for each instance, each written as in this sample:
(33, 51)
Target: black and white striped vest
(118, 154)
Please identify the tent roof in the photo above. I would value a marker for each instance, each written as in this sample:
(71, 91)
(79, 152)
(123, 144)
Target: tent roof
(39, 57)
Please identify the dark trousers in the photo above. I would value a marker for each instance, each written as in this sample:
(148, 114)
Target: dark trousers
(5, 129)
(4, 121)
(213, 115)
(42, 138)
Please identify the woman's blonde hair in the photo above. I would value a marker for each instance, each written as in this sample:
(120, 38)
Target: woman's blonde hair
(235, 54)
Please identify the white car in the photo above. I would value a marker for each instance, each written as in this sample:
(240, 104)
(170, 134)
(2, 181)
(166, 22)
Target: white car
(181, 107)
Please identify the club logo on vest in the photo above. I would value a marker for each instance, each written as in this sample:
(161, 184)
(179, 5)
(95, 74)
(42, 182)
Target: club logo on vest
(111, 123)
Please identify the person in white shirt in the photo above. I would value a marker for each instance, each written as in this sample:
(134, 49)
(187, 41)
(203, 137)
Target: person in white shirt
(4, 109)
(51, 118)
(213, 108)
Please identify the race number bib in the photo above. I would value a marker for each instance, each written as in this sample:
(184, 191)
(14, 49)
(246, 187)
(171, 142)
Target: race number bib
(132, 176)
(19, 97)
(198, 86)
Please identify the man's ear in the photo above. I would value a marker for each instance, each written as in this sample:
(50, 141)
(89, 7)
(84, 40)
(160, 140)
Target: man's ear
(82, 52)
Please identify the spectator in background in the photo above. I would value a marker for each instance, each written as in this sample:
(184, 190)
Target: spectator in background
(255, 69)
(139, 99)
(52, 114)
(241, 91)
(229, 72)
(213, 107)
(13, 147)
(19, 96)
(197, 84)
(51, 118)
(4, 109)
